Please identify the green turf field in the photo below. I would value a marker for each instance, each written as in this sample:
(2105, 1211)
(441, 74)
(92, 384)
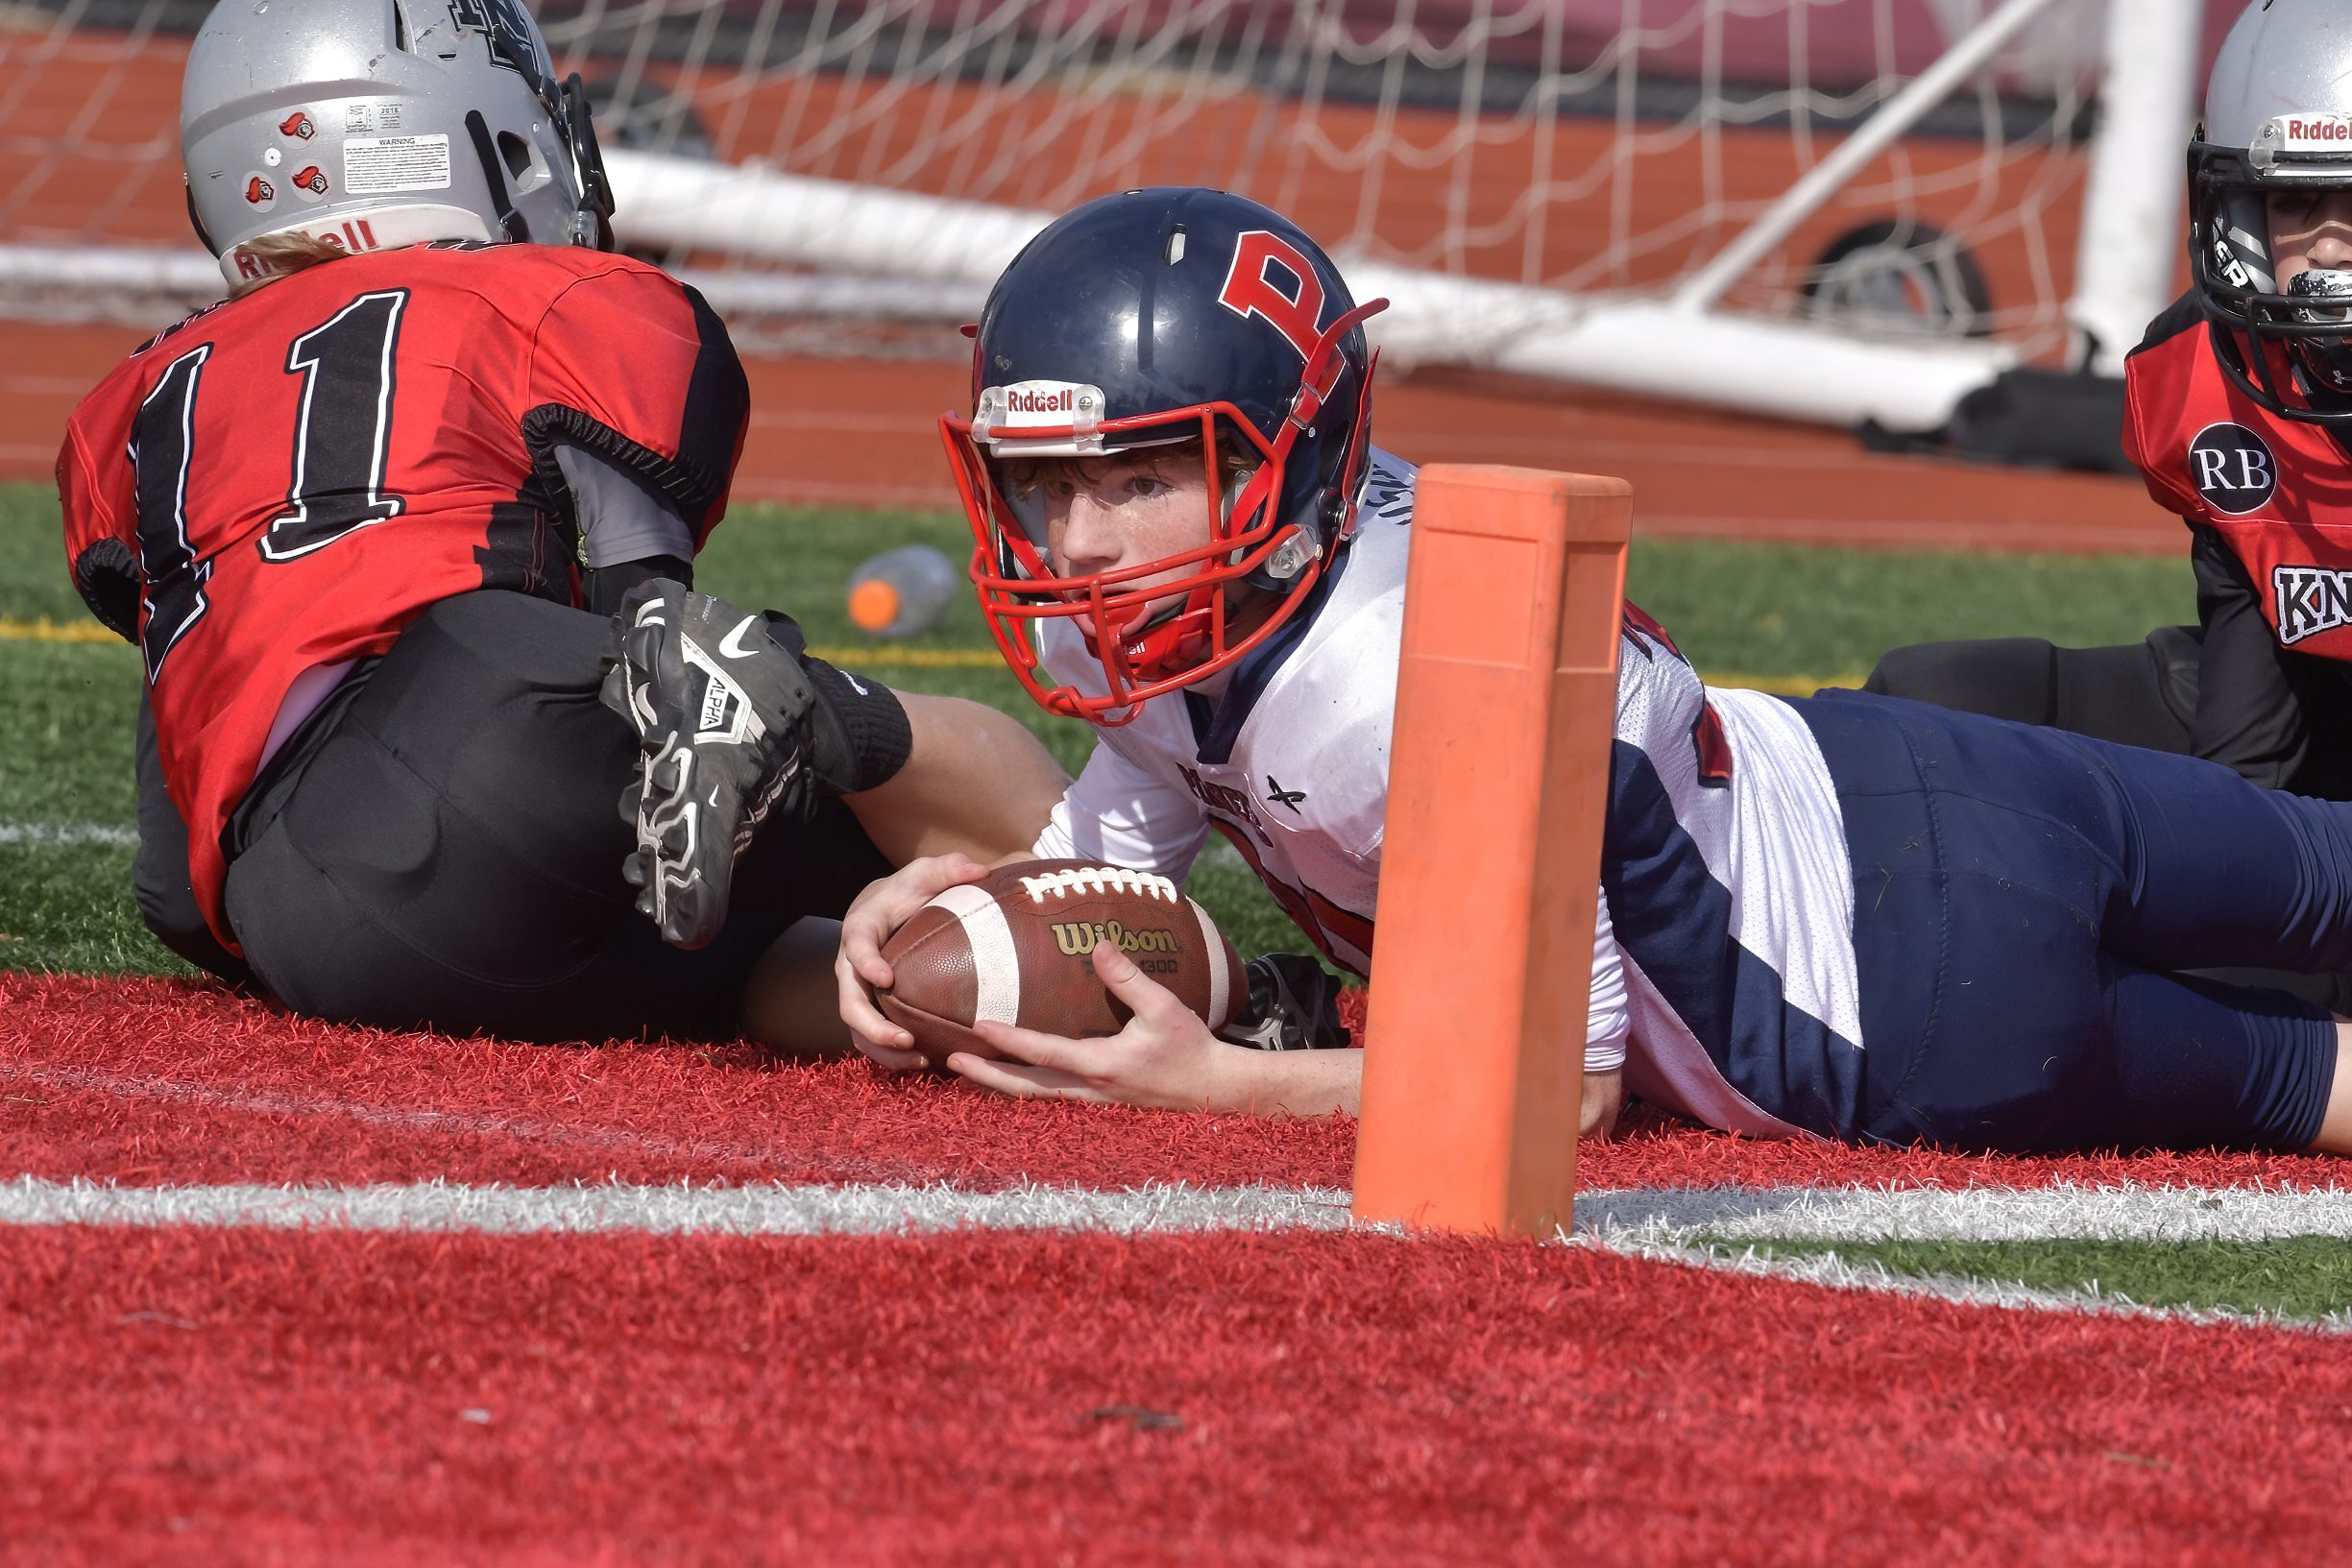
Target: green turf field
(2292, 1277)
(1762, 612)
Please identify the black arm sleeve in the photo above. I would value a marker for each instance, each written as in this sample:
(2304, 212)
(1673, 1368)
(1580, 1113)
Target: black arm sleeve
(607, 587)
(2257, 702)
(862, 735)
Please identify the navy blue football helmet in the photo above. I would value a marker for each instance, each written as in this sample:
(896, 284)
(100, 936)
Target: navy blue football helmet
(1151, 318)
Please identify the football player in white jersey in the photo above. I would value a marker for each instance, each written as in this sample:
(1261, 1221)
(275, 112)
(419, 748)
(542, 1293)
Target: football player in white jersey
(1849, 916)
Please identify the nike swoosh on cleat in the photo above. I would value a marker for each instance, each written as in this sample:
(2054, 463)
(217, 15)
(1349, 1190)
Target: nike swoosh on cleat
(855, 685)
(733, 645)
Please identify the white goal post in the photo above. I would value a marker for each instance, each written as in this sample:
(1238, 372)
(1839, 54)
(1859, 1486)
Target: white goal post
(1826, 209)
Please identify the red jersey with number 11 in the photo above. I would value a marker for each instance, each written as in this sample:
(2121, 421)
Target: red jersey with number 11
(285, 481)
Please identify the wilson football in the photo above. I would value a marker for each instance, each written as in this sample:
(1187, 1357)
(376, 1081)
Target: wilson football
(1015, 949)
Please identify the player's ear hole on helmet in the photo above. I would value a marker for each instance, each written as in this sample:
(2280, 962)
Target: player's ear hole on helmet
(524, 165)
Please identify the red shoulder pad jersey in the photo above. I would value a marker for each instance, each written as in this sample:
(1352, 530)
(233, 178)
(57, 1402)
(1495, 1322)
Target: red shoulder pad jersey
(287, 480)
(2278, 492)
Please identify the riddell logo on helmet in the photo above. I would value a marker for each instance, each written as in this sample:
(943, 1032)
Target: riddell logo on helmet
(1025, 401)
(355, 236)
(1046, 403)
(2314, 132)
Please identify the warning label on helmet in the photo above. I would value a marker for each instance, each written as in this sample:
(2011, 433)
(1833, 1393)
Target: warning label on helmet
(379, 165)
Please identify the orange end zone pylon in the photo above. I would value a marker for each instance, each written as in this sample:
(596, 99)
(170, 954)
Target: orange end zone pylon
(1474, 1056)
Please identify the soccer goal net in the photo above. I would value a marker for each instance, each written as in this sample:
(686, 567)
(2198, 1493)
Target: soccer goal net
(1832, 209)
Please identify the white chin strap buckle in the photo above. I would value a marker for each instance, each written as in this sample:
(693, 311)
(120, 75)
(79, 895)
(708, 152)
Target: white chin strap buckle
(1290, 558)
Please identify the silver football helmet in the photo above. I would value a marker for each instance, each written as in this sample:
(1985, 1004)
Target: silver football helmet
(2278, 118)
(367, 124)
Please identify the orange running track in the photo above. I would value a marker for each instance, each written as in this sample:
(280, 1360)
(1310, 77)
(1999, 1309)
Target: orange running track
(847, 432)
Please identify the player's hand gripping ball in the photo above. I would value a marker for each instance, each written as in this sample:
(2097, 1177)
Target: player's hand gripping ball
(1014, 948)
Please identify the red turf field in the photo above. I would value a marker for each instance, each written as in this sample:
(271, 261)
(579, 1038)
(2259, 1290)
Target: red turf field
(255, 1394)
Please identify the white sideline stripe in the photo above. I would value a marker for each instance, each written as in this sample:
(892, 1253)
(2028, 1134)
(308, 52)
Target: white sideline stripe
(1638, 1223)
(1683, 1216)
(1677, 1221)
(65, 833)
(1718, 1228)
(995, 966)
(672, 1211)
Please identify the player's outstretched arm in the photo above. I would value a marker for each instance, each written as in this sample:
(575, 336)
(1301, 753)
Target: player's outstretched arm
(1165, 1059)
(976, 782)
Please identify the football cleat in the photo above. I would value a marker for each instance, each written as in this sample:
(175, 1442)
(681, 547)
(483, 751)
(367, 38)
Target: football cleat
(1293, 1006)
(723, 716)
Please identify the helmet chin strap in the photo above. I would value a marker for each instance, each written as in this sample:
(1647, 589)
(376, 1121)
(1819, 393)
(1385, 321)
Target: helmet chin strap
(511, 223)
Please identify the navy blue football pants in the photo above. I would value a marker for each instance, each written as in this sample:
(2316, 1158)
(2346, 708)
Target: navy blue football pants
(2019, 894)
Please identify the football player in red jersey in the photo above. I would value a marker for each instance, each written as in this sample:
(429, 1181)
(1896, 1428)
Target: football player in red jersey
(370, 521)
(2238, 406)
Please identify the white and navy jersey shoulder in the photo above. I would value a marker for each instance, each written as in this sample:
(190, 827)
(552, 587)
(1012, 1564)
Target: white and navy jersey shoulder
(1725, 867)
(1723, 969)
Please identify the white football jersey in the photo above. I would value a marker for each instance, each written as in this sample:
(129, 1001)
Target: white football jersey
(1724, 828)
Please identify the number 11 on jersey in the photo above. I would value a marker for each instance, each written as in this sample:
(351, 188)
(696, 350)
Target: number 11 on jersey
(342, 441)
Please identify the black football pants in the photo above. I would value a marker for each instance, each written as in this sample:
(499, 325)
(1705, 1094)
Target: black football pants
(450, 852)
(2140, 694)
